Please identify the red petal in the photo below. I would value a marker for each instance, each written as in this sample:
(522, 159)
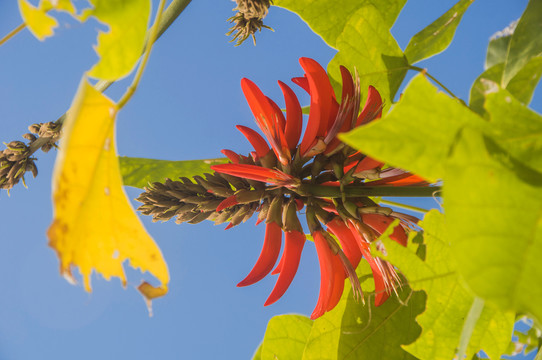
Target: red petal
(254, 172)
(325, 260)
(278, 115)
(261, 109)
(400, 180)
(347, 240)
(338, 283)
(303, 83)
(256, 140)
(294, 116)
(293, 246)
(231, 155)
(227, 202)
(380, 223)
(368, 163)
(322, 96)
(381, 292)
(268, 256)
(372, 109)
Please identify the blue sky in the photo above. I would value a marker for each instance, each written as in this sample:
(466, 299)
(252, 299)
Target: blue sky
(186, 107)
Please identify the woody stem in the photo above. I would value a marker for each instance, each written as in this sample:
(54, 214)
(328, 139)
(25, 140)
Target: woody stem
(323, 191)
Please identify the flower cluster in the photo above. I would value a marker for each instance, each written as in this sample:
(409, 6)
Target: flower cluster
(288, 173)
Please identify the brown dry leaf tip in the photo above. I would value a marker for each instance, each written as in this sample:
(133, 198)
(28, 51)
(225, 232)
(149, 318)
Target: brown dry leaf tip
(248, 20)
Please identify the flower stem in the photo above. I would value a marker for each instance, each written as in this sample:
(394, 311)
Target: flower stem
(12, 33)
(404, 206)
(323, 191)
(424, 71)
(150, 41)
(168, 17)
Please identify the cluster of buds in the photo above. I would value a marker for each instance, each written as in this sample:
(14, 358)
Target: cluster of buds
(248, 19)
(329, 180)
(16, 159)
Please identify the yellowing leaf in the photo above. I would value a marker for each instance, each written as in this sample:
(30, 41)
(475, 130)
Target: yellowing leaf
(120, 48)
(36, 19)
(94, 225)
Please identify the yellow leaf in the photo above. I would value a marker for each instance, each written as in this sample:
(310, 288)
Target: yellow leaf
(94, 225)
(38, 22)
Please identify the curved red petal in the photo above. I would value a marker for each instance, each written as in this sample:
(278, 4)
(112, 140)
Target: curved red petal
(368, 163)
(380, 223)
(372, 108)
(227, 202)
(346, 239)
(268, 256)
(338, 283)
(294, 116)
(278, 115)
(258, 103)
(256, 140)
(322, 97)
(381, 292)
(325, 260)
(231, 155)
(303, 83)
(293, 247)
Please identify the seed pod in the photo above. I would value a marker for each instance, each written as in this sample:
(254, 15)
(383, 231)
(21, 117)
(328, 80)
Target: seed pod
(290, 220)
(222, 217)
(238, 183)
(275, 211)
(200, 217)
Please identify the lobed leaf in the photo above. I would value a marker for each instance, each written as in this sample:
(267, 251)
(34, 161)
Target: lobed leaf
(119, 49)
(494, 213)
(526, 41)
(40, 24)
(419, 131)
(138, 172)
(94, 226)
(448, 302)
(285, 337)
(359, 30)
(436, 37)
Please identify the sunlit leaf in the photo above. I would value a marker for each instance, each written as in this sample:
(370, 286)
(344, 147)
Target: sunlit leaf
(285, 337)
(120, 48)
(40, 24)
(419, 131)
(94, 226)
(448, 302)
(526, 41)
(494, 215)
(522, 86)
(359, 30)
(354, 331)
(139, 172)
(438, 35)
(378, 58)
(498, 48)
(258, 353)
(329, 20)
(516, 128)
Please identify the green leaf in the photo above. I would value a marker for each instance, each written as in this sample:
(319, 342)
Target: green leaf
(526, 41)
(522, 86)
(438, 35)
(367, 45)
(258, 353)
(498, 47)
(419, 131)
(359, 30)
(120, 48)
(448, 302)
(354, 331)
(138, 172)
(516, 128)
(329, 20)
(285, 337)
(494, 217)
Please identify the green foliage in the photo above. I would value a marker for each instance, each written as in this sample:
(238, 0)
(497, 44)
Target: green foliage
(418, 133)
(377, 58)
(350, 331)
(138, 172)
(285, 337)
(436, 37)
(119, 48)
(448, 302)
(526, 41)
